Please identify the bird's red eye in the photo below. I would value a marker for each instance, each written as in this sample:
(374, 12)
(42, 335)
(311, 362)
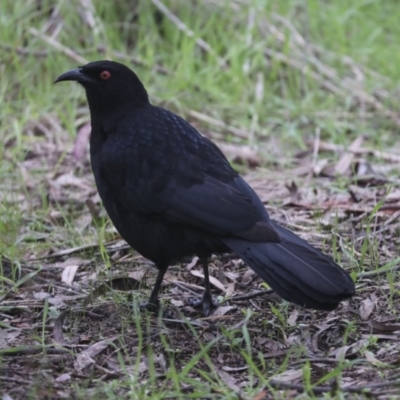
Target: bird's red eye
(105, 75)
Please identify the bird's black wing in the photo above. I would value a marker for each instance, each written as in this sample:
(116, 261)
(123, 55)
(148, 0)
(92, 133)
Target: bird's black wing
(180, 176)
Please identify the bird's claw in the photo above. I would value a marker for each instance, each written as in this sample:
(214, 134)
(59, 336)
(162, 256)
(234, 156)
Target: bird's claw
(206, 303)
(155, 309)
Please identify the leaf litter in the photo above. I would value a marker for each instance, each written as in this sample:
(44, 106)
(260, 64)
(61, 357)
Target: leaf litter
(85, 304)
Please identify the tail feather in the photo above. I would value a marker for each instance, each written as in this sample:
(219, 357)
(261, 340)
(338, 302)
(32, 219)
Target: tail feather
(298, 272)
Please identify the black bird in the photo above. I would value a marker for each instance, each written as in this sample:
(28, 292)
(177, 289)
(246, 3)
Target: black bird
(171, 193)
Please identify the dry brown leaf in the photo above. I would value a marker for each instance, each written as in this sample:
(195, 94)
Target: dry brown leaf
(192, 263)
(177, 303)
(247, 276)
(343, 352)
(68, 275)
(63, 378)
(344, 163)
(340, 353)
(230, 289)
(366, 308)
(214, 281)
(85, 358)
(233, 276)
(58, 335)
(289, 375)
(372, 359)
(275, 353)
(222, 276)
(293, 317)
(69, 179)
(228, 379)
(137, 274)
(162, 362)
(41, 295)
(378, 327)
(240, 154)
(221, 311)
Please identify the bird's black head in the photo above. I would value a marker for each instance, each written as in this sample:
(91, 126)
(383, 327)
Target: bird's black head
(108, 85)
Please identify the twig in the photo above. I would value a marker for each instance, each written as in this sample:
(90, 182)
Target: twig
(30, 351)
(137, 61)
(320, 50)
(57, 45)
(212, 121)
(14, 380)
(24, 51)
(325, 146)
(182, 27)
(305, 70)
(372, 274)
(325, 361)
(185, 288)
(252, 295)
(325, 389)
(350, 87)
(67, 252)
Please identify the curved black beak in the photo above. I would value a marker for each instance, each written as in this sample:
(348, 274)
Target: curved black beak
(73, 75)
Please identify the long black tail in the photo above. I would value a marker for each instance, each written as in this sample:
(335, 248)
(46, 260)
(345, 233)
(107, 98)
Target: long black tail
(298, 272)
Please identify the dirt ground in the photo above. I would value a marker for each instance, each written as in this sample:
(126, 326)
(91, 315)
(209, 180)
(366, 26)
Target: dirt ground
(72, 322)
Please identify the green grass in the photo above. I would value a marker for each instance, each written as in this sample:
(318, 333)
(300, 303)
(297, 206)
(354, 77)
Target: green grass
(273, 106)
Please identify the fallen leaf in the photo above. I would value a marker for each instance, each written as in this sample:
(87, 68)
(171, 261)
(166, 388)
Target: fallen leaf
(366, 308)
(289, 375)
(228, 379)
(378, 327)
(41, 295)
(233, 276)
(240, 154)
(85, 358)
(192, 263)
(68, 274)
(372, 359)
(293, 317)
(214, 281)
(230, 289)
(340, 353)
(177, 303)
(221, 311)
(63, 378)
(246, 278)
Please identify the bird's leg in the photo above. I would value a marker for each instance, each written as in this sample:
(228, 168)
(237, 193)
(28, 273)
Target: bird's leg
(153, 305)
(206, 301)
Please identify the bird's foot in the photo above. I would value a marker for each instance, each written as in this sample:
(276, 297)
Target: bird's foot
(206, 303)
(152, 307)
(155, 309)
